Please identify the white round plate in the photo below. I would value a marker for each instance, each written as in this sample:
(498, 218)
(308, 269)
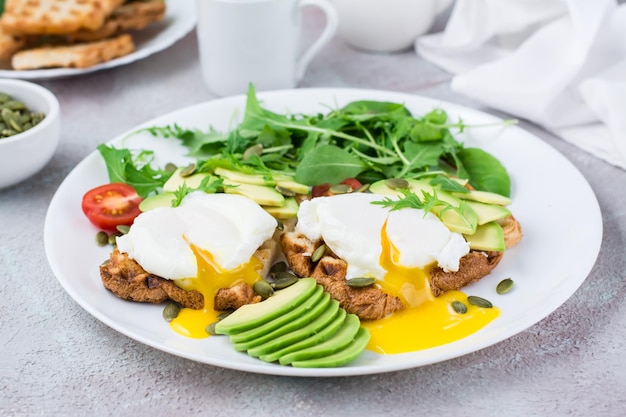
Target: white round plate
(554, 203)
(180, 19)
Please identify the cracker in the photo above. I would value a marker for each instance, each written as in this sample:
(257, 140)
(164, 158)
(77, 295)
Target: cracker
(50, 17)
(131, 16)
(74, 56)
(10, 44)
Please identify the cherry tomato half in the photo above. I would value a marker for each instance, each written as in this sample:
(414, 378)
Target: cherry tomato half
(352, 183)
(110, 205)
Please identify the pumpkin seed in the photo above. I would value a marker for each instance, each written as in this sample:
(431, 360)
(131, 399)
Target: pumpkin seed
(285, 191)
(210, 329)
(171, 310)
(223, 315)
(459, 307)
(479, 301)
(15, 117)
(504, 286)
(14, 105)
(318, 253)
(363, 188)
(360, 282)
(123, 229)
(188, 170)
(284, 280)
(253, 150)
(170, 167)
(340, 189)
(279, 225)
(396, 183)
(278, 267)
(102, 238)
(112, 239)
(263, 288)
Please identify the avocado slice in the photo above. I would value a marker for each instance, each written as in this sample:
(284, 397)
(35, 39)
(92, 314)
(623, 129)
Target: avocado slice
(292, 185)
(341, 339)
(157, 200)
(485, 197)
(259, 179)
(297, 323)
(254, 315)
(310, 329)
(298, 317)
(176, 180)
(344, 356)
(289, 210)
(488, 237)
(488, 212)
(263, 195)
(244, 178)
(313, 340)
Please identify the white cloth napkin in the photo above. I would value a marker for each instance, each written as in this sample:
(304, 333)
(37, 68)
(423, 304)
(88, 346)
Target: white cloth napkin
(559, 63)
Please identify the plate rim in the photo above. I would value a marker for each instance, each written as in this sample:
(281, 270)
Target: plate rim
(448, 351)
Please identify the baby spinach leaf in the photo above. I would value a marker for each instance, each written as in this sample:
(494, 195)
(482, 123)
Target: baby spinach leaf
(328, 164)
(485, 171)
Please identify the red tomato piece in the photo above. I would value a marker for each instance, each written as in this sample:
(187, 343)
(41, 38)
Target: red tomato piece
(352, 183)
(111, 205)
(320, 190)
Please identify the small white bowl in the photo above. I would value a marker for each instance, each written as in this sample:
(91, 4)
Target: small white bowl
(26, 153)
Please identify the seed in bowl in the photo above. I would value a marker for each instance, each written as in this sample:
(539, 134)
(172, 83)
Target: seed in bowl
(15, 116)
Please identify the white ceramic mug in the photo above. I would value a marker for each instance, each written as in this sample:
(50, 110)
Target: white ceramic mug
(386, 25)
(256, 41)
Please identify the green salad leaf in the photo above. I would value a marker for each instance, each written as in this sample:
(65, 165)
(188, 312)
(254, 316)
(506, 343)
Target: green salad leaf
(365, 139)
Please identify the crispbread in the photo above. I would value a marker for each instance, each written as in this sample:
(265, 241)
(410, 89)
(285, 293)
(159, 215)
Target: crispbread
(9, 44)
(54, 17)
(74, 56)
(131, 16)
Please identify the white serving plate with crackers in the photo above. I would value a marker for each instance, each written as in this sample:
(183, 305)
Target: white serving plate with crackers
(557, 208)
(180, 19)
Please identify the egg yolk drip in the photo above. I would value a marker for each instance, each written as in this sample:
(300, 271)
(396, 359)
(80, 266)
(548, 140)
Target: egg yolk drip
(426, 321)
(193, 323)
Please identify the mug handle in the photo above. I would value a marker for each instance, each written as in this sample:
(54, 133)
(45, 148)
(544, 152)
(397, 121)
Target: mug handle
(329, 31)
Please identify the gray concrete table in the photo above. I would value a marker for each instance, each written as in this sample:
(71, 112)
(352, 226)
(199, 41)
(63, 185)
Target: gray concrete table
(56, 359)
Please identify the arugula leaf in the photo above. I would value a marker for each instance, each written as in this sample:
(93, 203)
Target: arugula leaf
(199, 143)
(447, 184)
(208, 185)
(122, 167)
(410, 200)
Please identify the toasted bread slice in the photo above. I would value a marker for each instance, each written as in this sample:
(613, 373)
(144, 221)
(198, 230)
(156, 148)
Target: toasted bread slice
(131, 16)
(54, 17)
(128, 280)
(74, 56)
(125, 278)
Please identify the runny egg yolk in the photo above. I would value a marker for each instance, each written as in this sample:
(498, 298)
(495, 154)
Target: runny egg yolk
(426, 321)
(193, 323)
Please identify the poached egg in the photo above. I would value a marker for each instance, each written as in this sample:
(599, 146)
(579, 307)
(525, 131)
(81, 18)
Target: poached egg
(206, 243)
(397, 248)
